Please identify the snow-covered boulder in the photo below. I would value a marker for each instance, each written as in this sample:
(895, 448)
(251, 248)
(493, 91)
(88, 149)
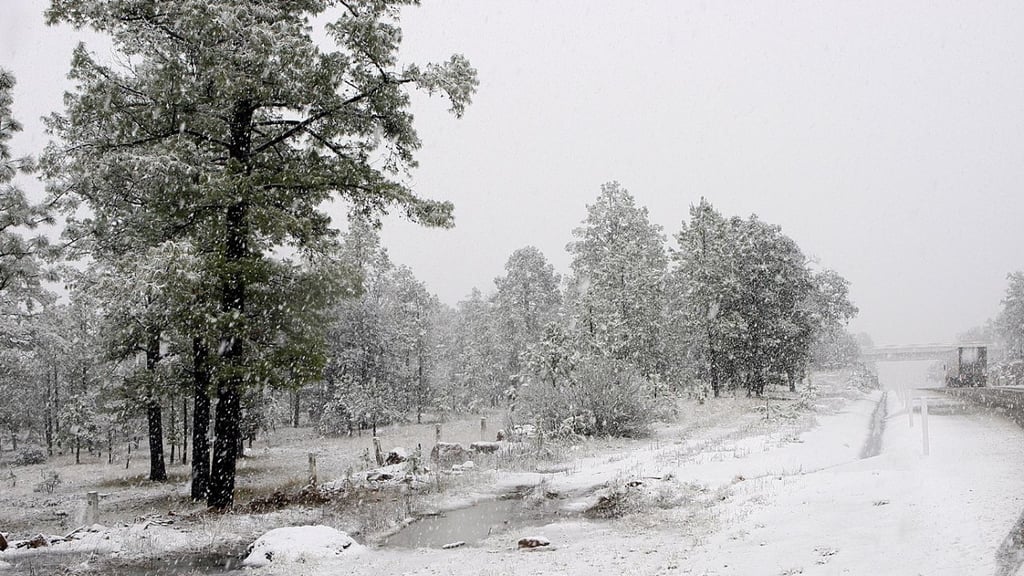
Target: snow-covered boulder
(300, 544)
(533, 542)
(448, 453)
(392, 472)
(397, 455)
(465, 466)
(485, 447)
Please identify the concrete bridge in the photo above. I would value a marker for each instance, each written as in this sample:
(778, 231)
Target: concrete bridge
(907, 352)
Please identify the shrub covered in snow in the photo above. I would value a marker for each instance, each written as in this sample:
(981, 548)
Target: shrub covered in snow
(600, 397)
(299, 544)
(30, 456)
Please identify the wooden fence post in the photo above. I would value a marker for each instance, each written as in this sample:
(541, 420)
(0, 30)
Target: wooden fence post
(377, 454)
(483, 428)
(92, 508)
(312, 469)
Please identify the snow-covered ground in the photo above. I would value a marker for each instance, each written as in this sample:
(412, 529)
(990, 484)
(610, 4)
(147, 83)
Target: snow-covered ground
(807, 506)
(736, 495)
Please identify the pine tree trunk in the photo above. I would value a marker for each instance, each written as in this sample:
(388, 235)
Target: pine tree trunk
(226, 426)
(184, 430)
(172, 433)
(56, 406)
(227, 421)
(49, 412)
(200, 420)
(295, 409)
(225, 447)
(157, 470)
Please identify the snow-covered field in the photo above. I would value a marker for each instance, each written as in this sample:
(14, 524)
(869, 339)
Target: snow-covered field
(724, 491)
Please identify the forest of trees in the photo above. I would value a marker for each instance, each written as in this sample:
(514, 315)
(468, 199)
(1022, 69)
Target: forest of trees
(209, 297)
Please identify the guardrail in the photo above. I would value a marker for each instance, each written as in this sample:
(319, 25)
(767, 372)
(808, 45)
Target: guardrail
(1008, 400)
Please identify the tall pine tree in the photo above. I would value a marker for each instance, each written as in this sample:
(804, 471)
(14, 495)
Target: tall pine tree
(226, 124)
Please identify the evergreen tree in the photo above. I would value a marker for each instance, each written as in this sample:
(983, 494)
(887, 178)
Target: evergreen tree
(527, 300)
(227, 125)
(619, 266)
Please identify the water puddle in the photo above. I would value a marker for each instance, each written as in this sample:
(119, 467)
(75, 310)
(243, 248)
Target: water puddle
(59, 562)
(210, 564)
(476, 523)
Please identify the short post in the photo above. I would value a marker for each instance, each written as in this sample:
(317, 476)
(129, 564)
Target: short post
(437, 433)
(910, 409)
(924, 424)
(312, 468)
(483, 428)
(377, 454)
(92, 508)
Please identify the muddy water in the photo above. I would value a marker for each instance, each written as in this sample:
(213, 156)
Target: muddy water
(205, 564)
(51, 562)
(475, 523)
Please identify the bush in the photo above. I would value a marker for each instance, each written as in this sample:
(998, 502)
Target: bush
(30, 456)
(50, 481)
(601, 397)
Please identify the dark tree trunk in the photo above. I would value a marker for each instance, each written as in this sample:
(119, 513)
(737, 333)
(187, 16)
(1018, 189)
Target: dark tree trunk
(56, 405)
(295, 409)
(157, 470)
(200, 420)
(184, 430)
(225, 447)
(172, 433)
(236, 249)
(51, 385)
(226, 427)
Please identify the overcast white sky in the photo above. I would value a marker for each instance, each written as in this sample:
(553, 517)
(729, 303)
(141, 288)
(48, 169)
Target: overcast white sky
(886, 138)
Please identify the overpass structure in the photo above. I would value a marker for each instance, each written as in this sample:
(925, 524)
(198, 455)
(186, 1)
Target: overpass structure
(907, 352)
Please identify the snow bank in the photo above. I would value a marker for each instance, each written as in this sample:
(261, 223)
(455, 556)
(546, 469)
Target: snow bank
(300, 544)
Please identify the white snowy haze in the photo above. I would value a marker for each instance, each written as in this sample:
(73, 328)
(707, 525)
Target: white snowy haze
(886, 138)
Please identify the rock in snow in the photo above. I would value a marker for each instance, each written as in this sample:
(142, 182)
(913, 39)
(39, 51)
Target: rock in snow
(397, 455)
(299, 544)
(485, 447)
(448, 453)
(534, 542)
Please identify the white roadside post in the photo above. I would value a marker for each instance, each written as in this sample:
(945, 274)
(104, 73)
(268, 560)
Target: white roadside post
(910, 409)
(924, 424)
(312, 469)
